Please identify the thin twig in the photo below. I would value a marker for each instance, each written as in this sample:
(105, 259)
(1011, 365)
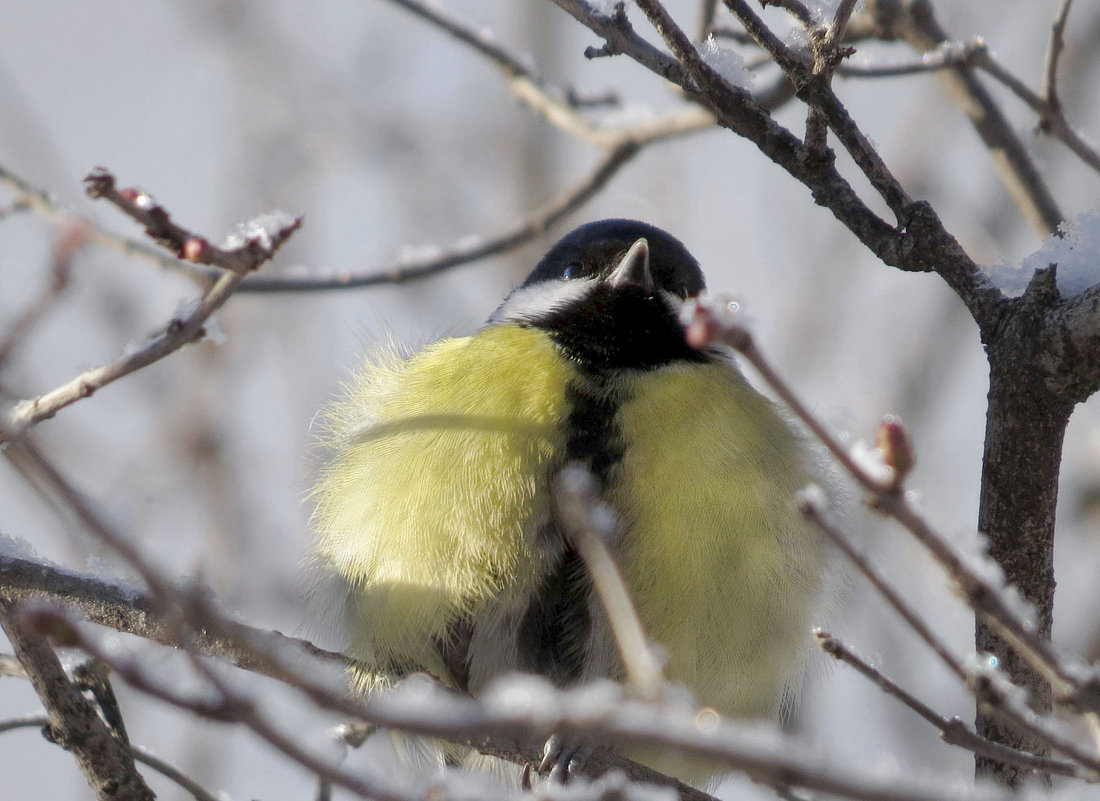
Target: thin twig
(40, 201)
(68, 244)
(947, 55)
(228, 707)
(834, 35)
(812, 511)
(120, 608)
(10, 666)
(179, 332)
(586, 523)
(16, 206)
(1005, 703)
(496, 734)
(245, 250)
(917, 25)
(37, 720)
(1051, 121)
(807, 19)
(254, 244)
(1055, 45)
(780, 52)
(711, 322)
(707, 12)
(172, 773)
(815, 91)
(953, 731)
(464, 252)
(513, 718)
(141, 754)
(107, 764)
(918, 243)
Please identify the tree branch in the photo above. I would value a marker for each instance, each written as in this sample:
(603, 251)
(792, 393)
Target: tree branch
(466, 252)
(255, 243)
(914, 22)
(106, 762)
(125, 609)
(952, 731)
(919, 243)
(71, 240)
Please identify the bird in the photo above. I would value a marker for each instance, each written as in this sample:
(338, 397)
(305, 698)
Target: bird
(435, 509)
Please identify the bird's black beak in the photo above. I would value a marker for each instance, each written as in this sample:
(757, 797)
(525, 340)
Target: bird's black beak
(633, 268)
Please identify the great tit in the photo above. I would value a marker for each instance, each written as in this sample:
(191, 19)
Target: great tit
(436, 508)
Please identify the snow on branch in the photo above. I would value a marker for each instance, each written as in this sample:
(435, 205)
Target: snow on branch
(243, 251)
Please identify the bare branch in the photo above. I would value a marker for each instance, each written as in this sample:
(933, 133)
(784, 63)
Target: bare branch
(577, 508)
(1001, 700)
(16, 206)
(813, 512)
(712, 322)
(839, 25)
(519, 717)
(619, 37)
(10, 666)
(944, 56)
(920, 241)
(180, 331)
(707, 12)
(243, 252)
(1055, 46)
(25, 722)
(557, 105)
(39, 201)
(254, 243)
(1052, 120)
(107, 764)
(172, 773)
(68, 244)
(140, 753)
(123, 609)
(466, 252)
(800, 11)
(227, 707)
(915, 23)
(953, 731)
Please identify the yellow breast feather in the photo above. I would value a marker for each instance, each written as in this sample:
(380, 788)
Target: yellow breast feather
(463, 435)
(720, 563)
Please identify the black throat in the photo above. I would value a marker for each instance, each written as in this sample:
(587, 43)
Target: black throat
(613, 328)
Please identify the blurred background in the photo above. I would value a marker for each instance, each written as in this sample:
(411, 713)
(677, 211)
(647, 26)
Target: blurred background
(389, 137)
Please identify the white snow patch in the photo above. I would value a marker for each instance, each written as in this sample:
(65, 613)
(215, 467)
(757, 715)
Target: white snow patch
(266, 230)
(873, 462)
(726, 61)
(1075, 248)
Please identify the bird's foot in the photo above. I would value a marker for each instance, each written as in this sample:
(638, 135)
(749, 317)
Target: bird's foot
(561, 759)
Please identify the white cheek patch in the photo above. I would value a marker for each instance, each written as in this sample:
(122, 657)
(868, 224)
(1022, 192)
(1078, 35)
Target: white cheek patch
(531, 303)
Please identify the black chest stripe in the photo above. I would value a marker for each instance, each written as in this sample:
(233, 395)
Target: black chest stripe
(602, 333)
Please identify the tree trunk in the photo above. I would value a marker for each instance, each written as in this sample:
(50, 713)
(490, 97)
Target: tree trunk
(1025, 428)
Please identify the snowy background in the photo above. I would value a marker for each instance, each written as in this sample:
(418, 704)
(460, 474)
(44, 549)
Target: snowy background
(389, 136)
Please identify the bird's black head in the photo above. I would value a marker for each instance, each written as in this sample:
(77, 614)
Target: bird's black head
(609, 294)
(595, 249)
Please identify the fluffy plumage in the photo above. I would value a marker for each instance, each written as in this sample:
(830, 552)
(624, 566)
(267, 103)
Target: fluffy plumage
(436, 511)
